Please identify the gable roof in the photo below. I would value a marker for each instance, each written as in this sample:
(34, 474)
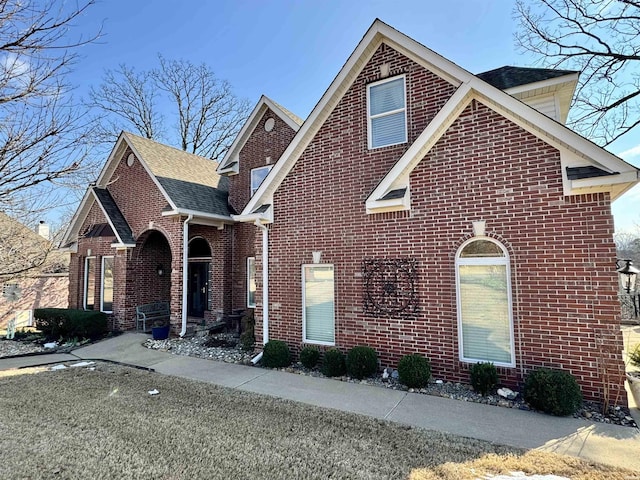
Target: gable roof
(508, 77)
(575, 150)
(188, 182)
(230, 164)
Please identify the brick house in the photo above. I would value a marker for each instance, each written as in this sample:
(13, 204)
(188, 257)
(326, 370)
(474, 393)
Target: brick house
(418, 209)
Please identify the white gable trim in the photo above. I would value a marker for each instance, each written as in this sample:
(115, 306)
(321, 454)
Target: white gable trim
(113, 228)
(71, 234)
(231, 161)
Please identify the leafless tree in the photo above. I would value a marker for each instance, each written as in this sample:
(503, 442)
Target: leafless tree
(42, 133)
(601, 39)
(206, 114)
(130, 97)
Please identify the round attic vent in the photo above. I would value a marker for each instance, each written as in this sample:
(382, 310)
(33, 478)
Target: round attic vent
(269, 124)
(130, 159)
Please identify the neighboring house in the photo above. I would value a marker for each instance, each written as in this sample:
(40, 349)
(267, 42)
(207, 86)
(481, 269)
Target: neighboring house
(33, 274)
(418, 209)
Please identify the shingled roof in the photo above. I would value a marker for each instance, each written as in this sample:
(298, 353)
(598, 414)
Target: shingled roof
(190, 181)
(508, 77)
(113, 213)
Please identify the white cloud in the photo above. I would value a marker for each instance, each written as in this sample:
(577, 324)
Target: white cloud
(632, 152)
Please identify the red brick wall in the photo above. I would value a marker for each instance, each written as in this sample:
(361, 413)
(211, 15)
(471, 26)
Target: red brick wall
(485, 167)
(259, 147)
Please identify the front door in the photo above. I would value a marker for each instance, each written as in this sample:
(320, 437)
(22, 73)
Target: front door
(198, 288)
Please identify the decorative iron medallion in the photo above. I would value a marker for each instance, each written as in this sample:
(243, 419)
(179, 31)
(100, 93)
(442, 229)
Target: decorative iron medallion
(390, 287)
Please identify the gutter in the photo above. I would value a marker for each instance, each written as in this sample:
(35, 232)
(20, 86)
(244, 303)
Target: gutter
(265, 288)
(185, 278)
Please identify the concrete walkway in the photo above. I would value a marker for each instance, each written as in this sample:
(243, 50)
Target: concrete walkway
(610, 444)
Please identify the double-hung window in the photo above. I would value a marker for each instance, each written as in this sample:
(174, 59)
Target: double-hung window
(318, 317)
(485, 317)
(106, 296)
(257, 177)
(386, 112)
(251, 282)
(89, 282)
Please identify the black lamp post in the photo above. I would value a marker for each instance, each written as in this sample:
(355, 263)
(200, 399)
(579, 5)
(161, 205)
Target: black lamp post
(628, 274)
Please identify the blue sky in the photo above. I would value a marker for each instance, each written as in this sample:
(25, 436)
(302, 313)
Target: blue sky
(291, 50)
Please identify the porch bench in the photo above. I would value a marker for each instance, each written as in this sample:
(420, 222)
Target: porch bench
(150, 312)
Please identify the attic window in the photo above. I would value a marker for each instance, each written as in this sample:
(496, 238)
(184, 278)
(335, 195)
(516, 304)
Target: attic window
(386, 112)
(257, 177)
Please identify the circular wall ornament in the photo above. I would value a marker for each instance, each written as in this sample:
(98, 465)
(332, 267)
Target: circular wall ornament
(269, 124)
(130, 159)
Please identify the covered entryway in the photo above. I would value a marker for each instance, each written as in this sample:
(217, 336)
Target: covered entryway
(153, 269)
(198, 277)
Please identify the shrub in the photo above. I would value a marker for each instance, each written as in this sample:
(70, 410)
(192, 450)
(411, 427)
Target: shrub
(361, 362)
(634, 356)
(484, 377)
(333, 363)
(57, 323)
(276, 354)
(552, 391)
(309, 356)
(414, 371)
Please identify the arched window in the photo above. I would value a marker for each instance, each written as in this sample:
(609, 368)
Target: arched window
(485, 316)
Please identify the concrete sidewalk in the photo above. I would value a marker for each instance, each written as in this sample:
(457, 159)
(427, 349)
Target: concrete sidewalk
(610, 444)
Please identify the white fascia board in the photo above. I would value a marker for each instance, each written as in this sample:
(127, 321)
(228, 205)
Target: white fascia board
(112, 161)
(115, 231)
(263, 217)
(398, 176)
(378, 33)
(185, 212)
(392, 205)
(551, 83)
(120, 245)
(72, 248)
(78, 217)
(247, 129)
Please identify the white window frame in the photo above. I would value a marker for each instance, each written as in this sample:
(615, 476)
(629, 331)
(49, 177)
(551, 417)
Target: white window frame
(102, 309)
(504, 260)
(254, 189)
(85, 285)
(249, 279)
(304, 303)
(390, 112)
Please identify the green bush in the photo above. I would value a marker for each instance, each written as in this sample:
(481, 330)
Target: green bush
(414, 371)
(276, 354)
(333, 363)
(57, 323)
(309, 356)
(634, 356)
(361, 362)
(484, 377)
(552, 391)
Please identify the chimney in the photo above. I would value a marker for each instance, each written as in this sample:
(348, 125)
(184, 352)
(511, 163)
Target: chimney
(43, 230)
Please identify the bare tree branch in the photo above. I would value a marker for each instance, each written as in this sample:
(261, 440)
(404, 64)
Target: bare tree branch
(601, 39)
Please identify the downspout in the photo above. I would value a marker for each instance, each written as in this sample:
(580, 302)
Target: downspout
(185, 278)
(265, 288)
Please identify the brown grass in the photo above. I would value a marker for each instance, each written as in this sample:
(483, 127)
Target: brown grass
(82, 424)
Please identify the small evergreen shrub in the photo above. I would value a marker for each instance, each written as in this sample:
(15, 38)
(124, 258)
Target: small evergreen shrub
(552, 391)
(414, 371)
(361, 362)
(276, 354)
(484, 377)
(56, 323)
(634, 356)
(333, 363)
(309, 356)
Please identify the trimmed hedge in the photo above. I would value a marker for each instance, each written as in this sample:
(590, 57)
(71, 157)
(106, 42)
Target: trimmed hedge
(309, 356)
(362, 362)
(414, 371)
(333, 363)
(484, 377)
(57, 323)
(552, 391)
(276, 354)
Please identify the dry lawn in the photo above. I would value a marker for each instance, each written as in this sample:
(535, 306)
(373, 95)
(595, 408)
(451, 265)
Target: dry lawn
(102, 424)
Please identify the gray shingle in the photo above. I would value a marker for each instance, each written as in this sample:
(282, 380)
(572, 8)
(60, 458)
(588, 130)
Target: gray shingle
(508, 77)
(123, 230)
